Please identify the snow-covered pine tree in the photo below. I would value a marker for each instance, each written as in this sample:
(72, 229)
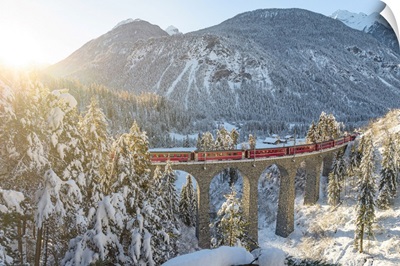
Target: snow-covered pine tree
(235, 138)
(366, 186)
(312, 134)
(169, 193)
(223, 140)
(333, 129)
(130, 167)
(7, 115)
(55, 207)
(188, 203)
(334, 189)
(321, 127)
(93, 127)
(198, 143)
(186, 142)
(353, 164)
(135, 222)
(388, 181)
(252, 142)
(336, 179)
(207, 142)
(101, 242)
(230, 224)
(160, 227)
(66, 158)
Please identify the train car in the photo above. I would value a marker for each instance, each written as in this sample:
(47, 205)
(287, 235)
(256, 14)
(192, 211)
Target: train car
(220, 155)
(270, 152)
(302, 149)
(339, 141)
(325, 145)
(179, 156)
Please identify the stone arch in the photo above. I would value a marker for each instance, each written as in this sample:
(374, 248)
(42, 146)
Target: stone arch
(223, 179)
(268, 196)
(285, 210)
(197, 190)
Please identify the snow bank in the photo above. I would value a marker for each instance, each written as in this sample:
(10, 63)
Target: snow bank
(272, 257)
(222, 256)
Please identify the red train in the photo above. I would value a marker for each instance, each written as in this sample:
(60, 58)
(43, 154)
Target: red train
(198, 156)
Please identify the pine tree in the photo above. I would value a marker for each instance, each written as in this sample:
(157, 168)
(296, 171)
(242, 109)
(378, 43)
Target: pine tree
(186, 142)
(336, 179)
(366, 206)
(161, 227)
(93, 127)
(188, 203)
(235, 138)
(334, 188)
(101, 241)
(321, 127)
(312, 134)
(130, 167)
(353, 164)
(388, 181)
(230, 224)
(170, 195)
(223, 140)
(198, 143)
(252, 142)
(207, 142)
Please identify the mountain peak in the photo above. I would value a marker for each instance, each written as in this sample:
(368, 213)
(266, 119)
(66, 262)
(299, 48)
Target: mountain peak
(172, 30)
(127, 21)
(359, 21)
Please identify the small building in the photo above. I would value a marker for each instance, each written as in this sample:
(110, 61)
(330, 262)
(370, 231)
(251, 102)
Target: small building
(274, 141)
(289, 137)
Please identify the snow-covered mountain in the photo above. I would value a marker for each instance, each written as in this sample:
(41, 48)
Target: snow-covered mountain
(268, 65)
(373, 24)
(172, 30)
(359, 21)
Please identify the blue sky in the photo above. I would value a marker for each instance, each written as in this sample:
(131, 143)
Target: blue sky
(46, 31)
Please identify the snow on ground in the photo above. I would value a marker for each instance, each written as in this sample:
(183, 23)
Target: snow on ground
(322, 232)
(222, 256)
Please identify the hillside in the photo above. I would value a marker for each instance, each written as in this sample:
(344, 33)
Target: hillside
(265, 65)
(373, 24)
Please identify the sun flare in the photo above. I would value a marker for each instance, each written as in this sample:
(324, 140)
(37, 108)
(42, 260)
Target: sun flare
(19, 47)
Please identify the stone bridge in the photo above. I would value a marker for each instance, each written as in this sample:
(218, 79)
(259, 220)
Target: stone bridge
(251, 171)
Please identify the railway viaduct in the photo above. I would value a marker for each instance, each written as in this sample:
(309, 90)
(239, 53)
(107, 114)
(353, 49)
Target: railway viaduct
(251, 171)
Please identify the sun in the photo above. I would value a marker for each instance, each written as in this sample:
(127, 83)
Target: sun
(19, 47)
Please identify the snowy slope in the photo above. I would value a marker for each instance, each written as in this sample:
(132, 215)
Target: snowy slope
(249, 67)
(373, 24)
(360, 21)
(323, 232)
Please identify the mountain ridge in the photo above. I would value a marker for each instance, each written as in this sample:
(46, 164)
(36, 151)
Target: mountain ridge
(267, 65)
(373, 24)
